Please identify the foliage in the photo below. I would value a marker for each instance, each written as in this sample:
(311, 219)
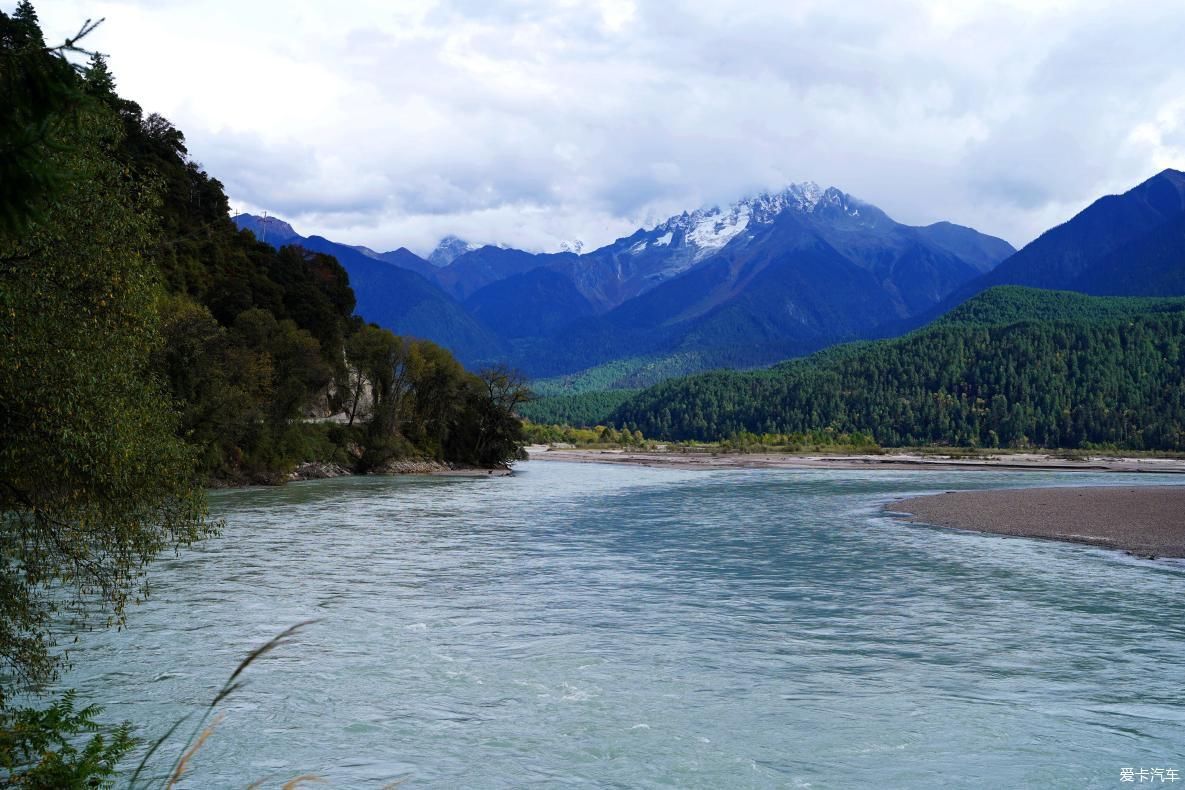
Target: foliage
(40, 94)
(149, 344)
(93, 480)
(419, 401)
(597, 435)
(492, 432)
(39, 749)
(584, 409)
(258, 340)
(253, 335)
(826, 440)
(622, 374)
(1113, 375)
(1008, 304)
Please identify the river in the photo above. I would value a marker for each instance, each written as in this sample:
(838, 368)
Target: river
(615, 626)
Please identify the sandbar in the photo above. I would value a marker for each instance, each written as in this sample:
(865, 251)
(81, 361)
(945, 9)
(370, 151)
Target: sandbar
(1148, 521)
(697, 459)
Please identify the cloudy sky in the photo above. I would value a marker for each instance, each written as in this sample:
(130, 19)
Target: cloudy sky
(393, 122)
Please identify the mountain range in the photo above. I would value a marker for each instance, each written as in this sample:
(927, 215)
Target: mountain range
(393, 290)
(771, 276)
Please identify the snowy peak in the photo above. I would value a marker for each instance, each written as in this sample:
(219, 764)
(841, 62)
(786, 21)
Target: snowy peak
(833, 198)
(840, 210)
(449, 249)
(708, 230)
(685, 240)
(802, 198)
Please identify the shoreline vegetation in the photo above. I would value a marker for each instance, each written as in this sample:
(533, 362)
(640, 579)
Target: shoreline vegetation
(1147, 521)
(316, 470)
(708, 457)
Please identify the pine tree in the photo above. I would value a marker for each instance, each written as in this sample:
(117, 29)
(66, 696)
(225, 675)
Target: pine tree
(98, 79)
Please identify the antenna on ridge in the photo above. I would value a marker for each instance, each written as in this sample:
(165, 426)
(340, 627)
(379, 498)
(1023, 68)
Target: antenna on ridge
(264, 224)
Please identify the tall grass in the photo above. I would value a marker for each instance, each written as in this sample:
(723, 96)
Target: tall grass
(202, 731)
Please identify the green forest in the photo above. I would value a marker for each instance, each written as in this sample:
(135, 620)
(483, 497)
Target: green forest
(1013, 367)
(585, 408)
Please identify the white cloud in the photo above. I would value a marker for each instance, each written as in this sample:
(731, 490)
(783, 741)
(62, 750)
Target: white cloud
(533, 122)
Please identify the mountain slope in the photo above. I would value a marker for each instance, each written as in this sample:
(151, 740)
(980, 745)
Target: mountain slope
(1073, 251)
(401, 300)
(540, 300)
(1121, 245)
(997, 372)
(981, 251)
(775, 276)
(472, 271)
(1152, 265)
(448, 250)
(406, 259)
(270, 230)
(918, 264)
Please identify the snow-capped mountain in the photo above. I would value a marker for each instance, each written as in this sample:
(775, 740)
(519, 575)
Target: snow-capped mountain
(707, 231)
(683, 242)
(449, 249)
(688, 238)
(772, 275)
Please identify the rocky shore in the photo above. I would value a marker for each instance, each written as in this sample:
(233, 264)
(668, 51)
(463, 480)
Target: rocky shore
(409, 466)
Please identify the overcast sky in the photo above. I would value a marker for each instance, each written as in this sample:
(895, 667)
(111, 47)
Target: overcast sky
(393, 122)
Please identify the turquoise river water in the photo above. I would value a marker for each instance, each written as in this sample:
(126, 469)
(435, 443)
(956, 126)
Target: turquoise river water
(612, 626)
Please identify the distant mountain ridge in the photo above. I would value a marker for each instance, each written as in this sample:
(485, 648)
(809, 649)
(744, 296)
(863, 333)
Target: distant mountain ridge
(1132, 244)
(1068, 256)
(772, 275)
(391, 293)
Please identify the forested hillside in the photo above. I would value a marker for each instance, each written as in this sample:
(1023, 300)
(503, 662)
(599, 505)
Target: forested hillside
(247, 343)
(1009, 304)
(580, 409)
(257, 339)
(1012, 368)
